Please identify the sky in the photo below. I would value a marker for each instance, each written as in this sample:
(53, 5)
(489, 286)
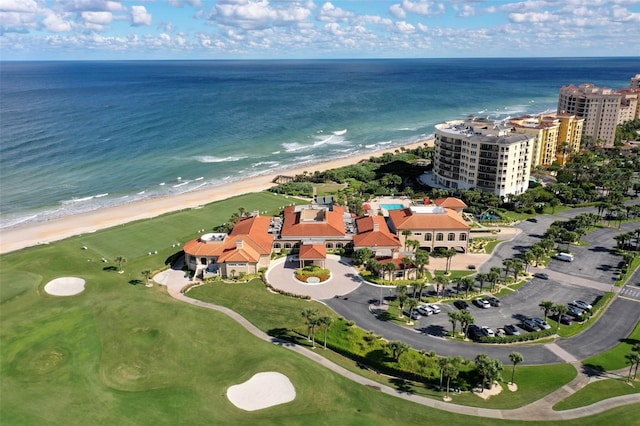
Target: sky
(291, 29)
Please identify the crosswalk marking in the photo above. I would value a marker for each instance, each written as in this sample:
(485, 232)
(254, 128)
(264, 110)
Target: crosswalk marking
(630, 293)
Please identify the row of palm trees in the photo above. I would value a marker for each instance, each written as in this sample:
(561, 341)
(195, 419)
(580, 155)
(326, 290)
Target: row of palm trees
(549, 307)
(633, 359)
(313, 321)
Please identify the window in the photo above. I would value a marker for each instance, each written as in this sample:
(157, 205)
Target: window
(287, 245)
(417, 233)
(329, 245)
(463, 237)
(439, 236)
(276, 245)
(451, 236)
(203, 260)
(339, 245)
(428, 236)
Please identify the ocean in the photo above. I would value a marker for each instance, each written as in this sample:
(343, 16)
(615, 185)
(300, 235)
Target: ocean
(78, 136)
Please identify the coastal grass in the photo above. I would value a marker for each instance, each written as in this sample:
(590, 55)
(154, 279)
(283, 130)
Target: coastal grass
(597, 391)
(614, 358)
(120, 353)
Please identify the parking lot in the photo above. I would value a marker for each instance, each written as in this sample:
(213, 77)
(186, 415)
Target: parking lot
(587, 278)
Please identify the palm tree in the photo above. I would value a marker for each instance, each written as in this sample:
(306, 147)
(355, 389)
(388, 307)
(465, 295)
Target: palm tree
(406, 234)
(516, 358)
(441, 280)
(466, 318)
(633, 359)
(454, 317)
(421, 259)
(482, 277)
(402, 301)
(508, 264)
(325, 323)
(406, 263)
(546, 306)
(468, 284)
(146, 274)
(398, 348)
(449, 253)
(559, 310)
(120, 260)
(390, 267)
(310, 316)
(451, 371)
(518, 267)
(411, 304)
(419, 287)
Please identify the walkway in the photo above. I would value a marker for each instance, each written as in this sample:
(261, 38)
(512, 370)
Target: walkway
(175, 280)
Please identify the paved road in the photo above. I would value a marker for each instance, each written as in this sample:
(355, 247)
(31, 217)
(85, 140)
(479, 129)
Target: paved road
(175, 280)
(587, 278)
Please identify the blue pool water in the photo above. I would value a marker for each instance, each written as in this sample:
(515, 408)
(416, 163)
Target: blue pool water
(392, 206)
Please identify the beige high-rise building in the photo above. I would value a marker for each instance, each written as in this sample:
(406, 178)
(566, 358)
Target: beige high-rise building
(602, 108)
(551, 131)
(480, 153)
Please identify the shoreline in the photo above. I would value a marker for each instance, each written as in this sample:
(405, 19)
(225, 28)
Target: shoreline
(36, 233)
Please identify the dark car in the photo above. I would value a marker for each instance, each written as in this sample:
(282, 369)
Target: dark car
(461, 304)
(564, 319)
(474, 332)
(511, 330)
(541, 275)
(575, 312)
(530, 325)
(494, 301)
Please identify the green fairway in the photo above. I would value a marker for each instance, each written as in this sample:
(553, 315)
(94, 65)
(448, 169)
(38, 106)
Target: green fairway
(597, 391)
(124, 354)
(614, 359)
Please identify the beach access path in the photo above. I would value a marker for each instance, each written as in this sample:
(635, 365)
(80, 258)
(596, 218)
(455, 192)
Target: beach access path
(36, 233)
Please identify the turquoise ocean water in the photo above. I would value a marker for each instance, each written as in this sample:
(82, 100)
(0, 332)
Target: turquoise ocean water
(77, 136)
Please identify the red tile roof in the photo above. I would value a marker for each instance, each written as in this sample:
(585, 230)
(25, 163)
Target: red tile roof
(407, 219)
(312, 251)
(368, 237)
(253, 234)
(451, 203)
(329, 224)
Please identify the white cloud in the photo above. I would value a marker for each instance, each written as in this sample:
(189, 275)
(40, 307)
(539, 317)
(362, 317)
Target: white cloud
(419, 7)
(330, 13)
(140, 16)
(56, 23)
(97, 18)
(258, 14)
(18, 6)
(533, 17)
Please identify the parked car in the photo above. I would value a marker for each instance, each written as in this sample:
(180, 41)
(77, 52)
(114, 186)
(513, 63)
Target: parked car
(541, 323)
(414, 314)
(461, 304)
(581, 305)
(500, 332)
(493, 301)
(434, 308)
(565, 257)
(424, 310)
(541, 275)
(488, 331)
(530, 325)
(575, 312)
(474, 332)
(482, 303)
(564, 319)
(511, 330)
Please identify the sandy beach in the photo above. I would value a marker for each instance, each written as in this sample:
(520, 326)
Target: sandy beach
(45, 232)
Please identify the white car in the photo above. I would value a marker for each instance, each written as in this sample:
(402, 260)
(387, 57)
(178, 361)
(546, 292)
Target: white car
(488, 331)
(425, 310)
(482, 303)
(434, 308)
(581, 305)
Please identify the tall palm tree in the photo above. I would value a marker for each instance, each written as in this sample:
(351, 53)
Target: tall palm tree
(390, 267)
(559, 310)
(120, 260)
(310, 315)
(325, 323)
(441, 281)
(546, 306)
(406, 233)
(454, 317)
(482, 277)
(411, 304)
(516, 358)
(146, 274)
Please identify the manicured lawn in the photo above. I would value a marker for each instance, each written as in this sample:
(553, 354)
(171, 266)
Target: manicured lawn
(614, 358)
(533, 383)
(597, 391)
(127, 354)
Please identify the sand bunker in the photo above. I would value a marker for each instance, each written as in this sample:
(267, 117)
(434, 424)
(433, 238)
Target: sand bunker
(263, 390)
(65, 286)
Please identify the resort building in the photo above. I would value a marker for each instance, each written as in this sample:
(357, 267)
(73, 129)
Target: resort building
(556, 136)
(312, 231)
(480, 153)
(245, 250)
(434, 226)
(602, 108)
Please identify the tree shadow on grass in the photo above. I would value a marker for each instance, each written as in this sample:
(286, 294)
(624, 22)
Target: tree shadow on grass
(402, 385)
(136, 282)
(110, 268)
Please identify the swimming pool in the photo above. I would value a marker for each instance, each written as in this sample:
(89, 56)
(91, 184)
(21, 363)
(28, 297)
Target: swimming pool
(392, 206)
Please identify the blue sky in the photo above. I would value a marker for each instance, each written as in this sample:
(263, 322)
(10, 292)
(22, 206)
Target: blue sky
(272, 29)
